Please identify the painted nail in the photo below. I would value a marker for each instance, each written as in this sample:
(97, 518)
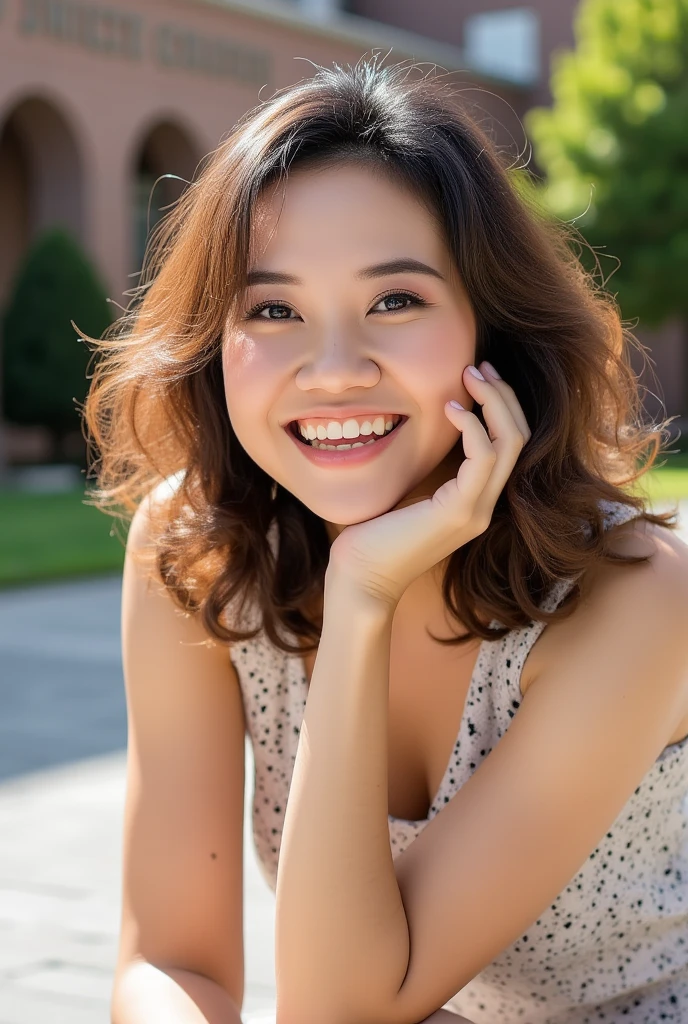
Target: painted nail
(490, 369)
(456, 404)
(475, 372)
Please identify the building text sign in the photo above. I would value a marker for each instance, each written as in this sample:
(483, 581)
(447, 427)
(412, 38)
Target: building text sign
(124, 34)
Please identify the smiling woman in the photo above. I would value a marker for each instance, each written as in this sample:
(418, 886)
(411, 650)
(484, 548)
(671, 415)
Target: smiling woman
(342, 172)
(387, 403)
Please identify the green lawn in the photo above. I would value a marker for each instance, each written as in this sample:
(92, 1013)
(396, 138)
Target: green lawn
(666, 484)
(670, 482)
(55, 536)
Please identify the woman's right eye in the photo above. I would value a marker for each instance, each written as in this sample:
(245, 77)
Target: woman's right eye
(255, 313)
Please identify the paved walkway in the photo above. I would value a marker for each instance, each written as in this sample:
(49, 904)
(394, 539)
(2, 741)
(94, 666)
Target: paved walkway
(62, 764)
(63, 737)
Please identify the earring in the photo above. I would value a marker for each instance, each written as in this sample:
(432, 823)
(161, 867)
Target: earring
(273, 490)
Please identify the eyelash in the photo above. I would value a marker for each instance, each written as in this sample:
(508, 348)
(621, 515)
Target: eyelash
(416, 300)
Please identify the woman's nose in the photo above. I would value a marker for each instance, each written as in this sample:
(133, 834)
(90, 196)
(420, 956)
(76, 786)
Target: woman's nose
(338, 360)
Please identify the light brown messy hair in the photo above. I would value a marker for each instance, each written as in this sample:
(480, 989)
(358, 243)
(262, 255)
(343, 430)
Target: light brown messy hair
(156, 406)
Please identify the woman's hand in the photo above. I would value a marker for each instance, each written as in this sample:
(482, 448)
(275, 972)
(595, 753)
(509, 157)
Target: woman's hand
(382, 556)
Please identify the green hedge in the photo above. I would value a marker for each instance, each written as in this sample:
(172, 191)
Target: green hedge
(44, 360)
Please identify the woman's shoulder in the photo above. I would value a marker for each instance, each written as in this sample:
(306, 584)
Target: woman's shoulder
(632, 535)
(614, 514)
(615, 592)
(167, 487)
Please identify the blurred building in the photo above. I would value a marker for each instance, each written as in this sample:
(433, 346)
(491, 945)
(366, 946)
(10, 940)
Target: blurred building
(98, 100)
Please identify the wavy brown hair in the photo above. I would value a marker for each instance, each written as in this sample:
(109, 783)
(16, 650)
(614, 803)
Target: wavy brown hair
(157, 407)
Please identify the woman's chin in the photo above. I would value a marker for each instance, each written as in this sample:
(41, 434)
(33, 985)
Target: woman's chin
(339, 516)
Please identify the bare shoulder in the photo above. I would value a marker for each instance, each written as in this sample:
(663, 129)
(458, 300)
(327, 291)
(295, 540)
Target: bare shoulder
(153, 506)
(144, 532)
(648, 594)
(666, 553)
(640, 537)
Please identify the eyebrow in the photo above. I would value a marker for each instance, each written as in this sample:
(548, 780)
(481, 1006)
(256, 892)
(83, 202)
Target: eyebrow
(403, 265)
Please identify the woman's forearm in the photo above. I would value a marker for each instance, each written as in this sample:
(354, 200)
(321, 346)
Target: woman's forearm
(342, 942)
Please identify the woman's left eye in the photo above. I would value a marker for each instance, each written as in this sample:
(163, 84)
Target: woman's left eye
(414, 300)
(398, 305)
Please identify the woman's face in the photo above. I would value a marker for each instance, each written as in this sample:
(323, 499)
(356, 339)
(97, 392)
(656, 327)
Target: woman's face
(345, 338)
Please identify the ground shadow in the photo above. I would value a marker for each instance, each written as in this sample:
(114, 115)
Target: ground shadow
(61, 687)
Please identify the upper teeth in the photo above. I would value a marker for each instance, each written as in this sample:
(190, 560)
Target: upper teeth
(335, 429)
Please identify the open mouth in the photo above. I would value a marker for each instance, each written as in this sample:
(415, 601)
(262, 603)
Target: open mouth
(331, 444)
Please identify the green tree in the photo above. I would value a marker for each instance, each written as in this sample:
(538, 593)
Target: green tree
(614, 148)
(44, 360)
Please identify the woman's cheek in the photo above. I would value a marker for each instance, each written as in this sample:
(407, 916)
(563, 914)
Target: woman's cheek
(246, 371)
(435, 356)
(252, 385)
(241, 371)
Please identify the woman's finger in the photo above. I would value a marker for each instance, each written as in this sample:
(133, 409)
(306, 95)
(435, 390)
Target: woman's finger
(477, 467)
(509, 396)
(504, 432)
(505, 437)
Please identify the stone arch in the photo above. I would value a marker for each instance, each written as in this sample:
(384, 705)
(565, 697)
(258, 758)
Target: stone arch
(41, 180)
(164, 148)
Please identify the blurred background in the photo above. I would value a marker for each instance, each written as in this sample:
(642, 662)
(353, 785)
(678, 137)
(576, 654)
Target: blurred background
(106, 111)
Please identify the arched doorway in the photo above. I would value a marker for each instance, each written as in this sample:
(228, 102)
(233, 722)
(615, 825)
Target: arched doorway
(41, 181)
(165, 149)
(41, 185)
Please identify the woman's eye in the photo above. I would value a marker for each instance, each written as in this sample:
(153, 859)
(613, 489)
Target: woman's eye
(257, 311)
(398, 302)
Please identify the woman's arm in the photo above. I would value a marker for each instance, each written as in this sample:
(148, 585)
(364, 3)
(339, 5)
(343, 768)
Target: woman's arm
(337, 895)
(181, 952)
(365, 939)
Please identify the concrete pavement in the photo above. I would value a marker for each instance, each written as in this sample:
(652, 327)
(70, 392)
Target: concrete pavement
(62, 765)
(60, 886)
(63, 738)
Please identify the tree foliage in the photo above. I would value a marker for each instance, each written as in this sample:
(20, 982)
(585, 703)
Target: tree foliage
(614, 147)
(44, 360)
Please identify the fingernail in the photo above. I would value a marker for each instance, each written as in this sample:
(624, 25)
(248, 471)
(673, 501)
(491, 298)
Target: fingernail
(456, 404)
(490, 369)
(475, 372)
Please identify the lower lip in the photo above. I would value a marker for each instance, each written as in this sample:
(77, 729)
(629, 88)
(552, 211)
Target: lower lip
(351, 456)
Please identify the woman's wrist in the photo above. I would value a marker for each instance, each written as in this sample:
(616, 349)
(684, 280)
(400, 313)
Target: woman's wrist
(344, 597)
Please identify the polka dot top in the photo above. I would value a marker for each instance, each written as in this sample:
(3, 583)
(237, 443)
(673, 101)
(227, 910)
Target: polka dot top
(613, 946)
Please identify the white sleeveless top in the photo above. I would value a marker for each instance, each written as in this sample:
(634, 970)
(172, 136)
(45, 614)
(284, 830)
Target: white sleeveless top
(613, 945)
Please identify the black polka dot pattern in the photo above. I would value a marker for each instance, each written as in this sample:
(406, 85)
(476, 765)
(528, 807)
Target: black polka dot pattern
(613, 946)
